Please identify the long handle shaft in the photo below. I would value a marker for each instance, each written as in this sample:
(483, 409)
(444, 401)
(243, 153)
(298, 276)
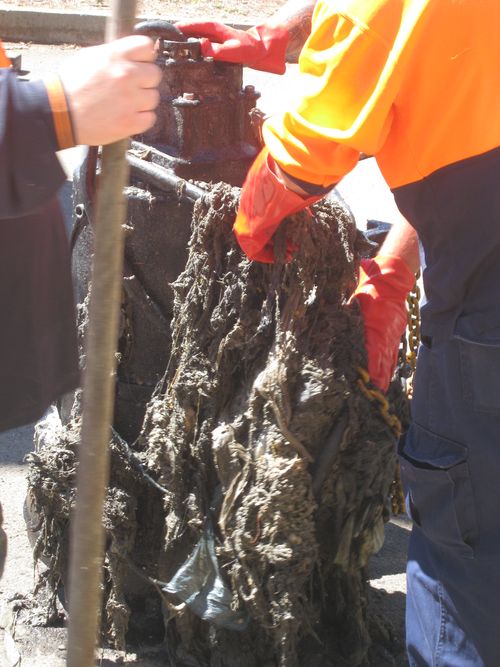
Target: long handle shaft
(87, 534)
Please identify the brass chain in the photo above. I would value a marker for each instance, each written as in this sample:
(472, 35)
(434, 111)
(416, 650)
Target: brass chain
(376, 396)
(396, 493)
(408, 357)
(411, 341)
(413, 332)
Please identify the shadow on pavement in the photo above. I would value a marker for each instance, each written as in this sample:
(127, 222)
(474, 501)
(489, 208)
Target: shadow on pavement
(388, 628)
(391, 559)
(15, 444)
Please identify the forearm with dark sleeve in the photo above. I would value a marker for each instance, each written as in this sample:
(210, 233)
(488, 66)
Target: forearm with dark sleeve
(34, 125)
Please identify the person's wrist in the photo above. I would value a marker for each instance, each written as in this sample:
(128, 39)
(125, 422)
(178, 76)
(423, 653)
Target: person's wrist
(285, 180)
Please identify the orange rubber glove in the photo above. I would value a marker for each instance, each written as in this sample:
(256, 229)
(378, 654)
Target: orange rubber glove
(383, 286)
(264, 202)
(262, 47)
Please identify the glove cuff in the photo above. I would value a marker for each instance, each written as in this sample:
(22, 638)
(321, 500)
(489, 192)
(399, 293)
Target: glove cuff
(388, 275)
(264, 203)
(381, 294)
(275, 41)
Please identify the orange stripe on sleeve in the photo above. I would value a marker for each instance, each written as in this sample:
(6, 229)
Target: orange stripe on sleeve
(60, 112)
(4, 60)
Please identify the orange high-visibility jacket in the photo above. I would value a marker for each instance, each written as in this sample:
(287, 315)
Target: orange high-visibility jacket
(416, 83)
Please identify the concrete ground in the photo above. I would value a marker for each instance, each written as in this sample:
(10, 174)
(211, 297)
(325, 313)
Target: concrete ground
(366, 193)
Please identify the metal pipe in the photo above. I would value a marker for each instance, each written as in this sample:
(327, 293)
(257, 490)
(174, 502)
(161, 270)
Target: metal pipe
(164, 179)
(87, 532)
(160, 28)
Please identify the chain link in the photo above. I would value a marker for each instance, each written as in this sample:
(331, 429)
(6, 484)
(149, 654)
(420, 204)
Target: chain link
(407, 363)
(376, 396)
(413, 332)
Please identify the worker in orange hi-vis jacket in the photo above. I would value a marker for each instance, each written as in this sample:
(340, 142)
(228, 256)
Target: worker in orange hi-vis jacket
(416, 83)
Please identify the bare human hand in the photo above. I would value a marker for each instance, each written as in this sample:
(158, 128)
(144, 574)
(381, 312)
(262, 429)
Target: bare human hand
(112, 90)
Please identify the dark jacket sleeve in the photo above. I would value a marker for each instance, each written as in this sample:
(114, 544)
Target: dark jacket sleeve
(30, 172)
(38, 344)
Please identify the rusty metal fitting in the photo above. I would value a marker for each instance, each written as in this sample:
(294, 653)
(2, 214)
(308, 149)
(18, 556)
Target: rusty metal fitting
(173, 44)
(186, 100)
(250, 94)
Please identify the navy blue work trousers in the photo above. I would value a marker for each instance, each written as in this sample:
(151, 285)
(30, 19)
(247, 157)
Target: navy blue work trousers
(450, 464)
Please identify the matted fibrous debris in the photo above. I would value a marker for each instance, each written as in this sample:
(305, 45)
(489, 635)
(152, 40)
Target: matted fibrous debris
(273, 460)
(259, 486)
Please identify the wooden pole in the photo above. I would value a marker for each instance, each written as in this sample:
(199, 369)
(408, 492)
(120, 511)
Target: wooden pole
(87, 534)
